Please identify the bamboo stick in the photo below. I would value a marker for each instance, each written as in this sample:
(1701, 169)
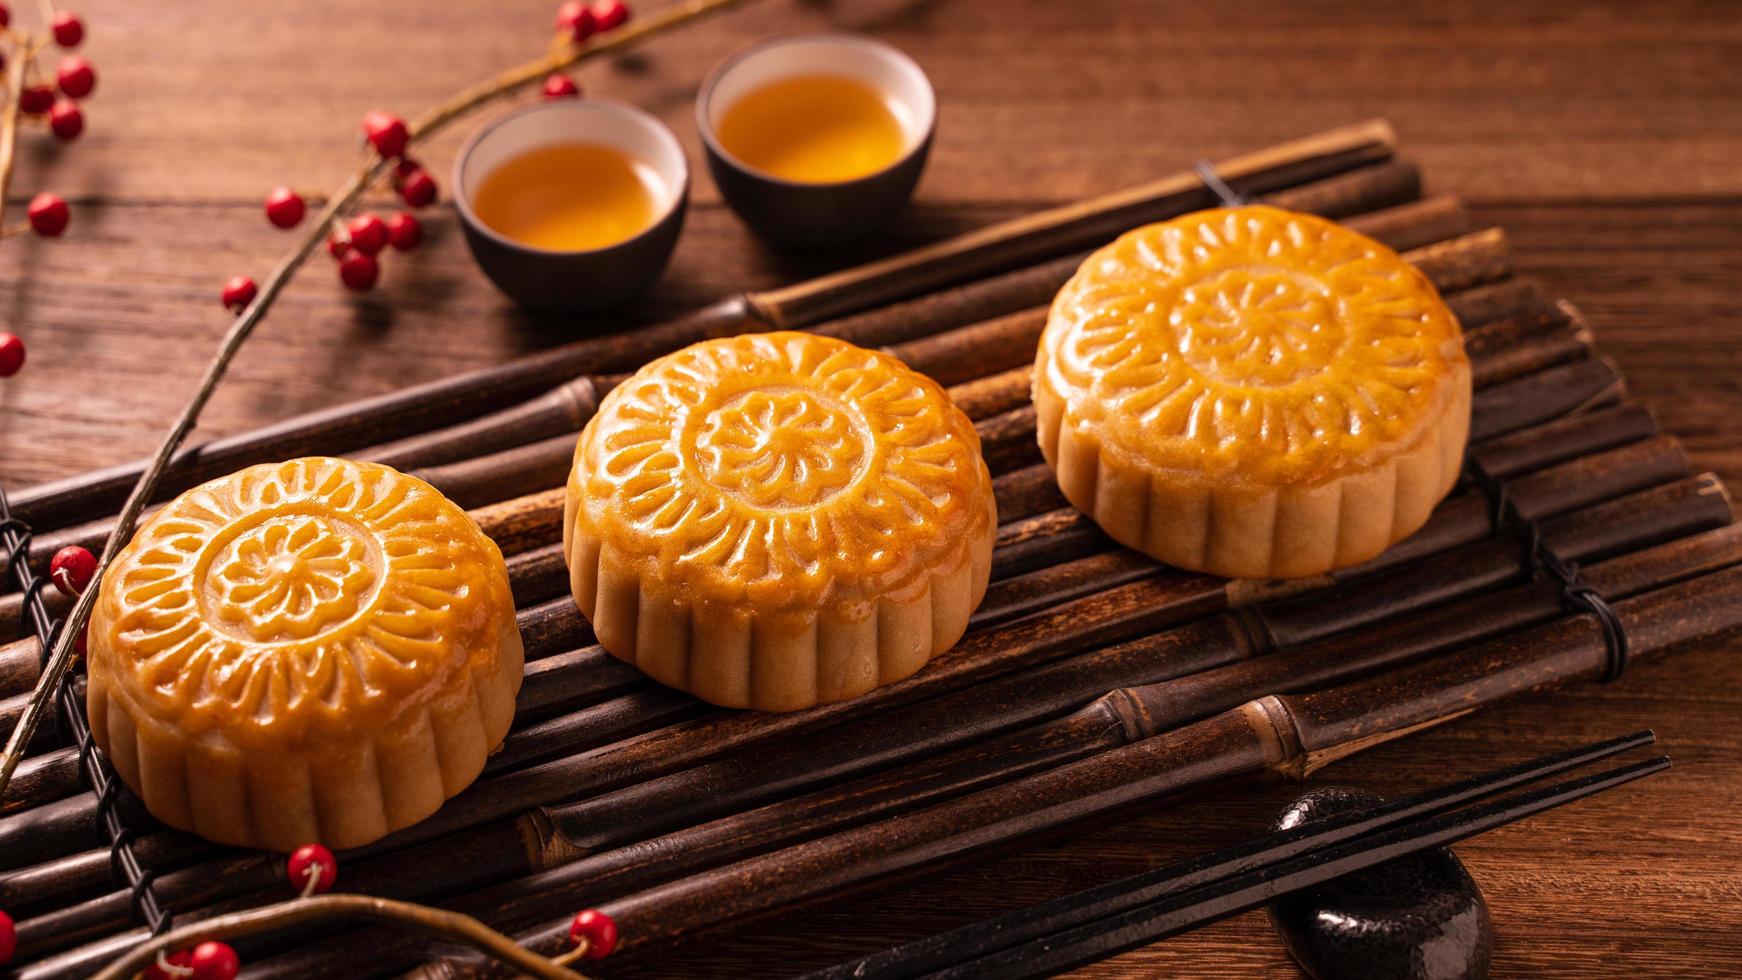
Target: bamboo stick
(1576, 386)
(454, 400)
(563, 409)
(1492, 301)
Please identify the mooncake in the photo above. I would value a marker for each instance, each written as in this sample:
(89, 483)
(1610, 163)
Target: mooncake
(1252, 392)
(311, 651)
(778, 520)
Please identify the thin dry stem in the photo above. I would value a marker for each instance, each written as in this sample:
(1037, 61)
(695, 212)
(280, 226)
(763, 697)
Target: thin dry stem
(452, 925)
(61, 659)
(9, 120)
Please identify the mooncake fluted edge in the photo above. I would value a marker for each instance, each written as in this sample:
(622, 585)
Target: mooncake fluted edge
(1237, 532)
(340, 795)
(773, 660)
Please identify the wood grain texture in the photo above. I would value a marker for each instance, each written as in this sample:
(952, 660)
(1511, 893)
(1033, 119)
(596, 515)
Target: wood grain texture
(1602, 136)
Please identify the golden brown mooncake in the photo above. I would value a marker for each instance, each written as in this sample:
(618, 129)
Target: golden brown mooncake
(778, 520)
(1252, 392)
(315, 650)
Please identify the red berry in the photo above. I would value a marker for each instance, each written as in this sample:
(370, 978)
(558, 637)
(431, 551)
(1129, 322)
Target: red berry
(76, 77)
(69, 30)
(48, 214)
(313, 860)
(359, 271)
(368, 233)
(404, 232)
(239, 291)
(11, 354)
(386, 132)
(8, 931)
(35, 99)
(66, 120)
(610, 14)
(5, 16)
(598, 930)
(575, 19)
(214, 961)
(285, 207)
(560, 87)
(417, 188)
(337, 247)
(71, 569)
(404, 167)
(178, 963)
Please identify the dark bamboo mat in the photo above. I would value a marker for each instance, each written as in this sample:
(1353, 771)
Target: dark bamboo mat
(610, 786)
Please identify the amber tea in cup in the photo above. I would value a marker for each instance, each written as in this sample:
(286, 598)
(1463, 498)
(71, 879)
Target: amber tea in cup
(572, 205)
(817, 138)
(815, 129)
(568, 197)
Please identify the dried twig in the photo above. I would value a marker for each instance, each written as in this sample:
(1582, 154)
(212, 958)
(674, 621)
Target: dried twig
(453, 925)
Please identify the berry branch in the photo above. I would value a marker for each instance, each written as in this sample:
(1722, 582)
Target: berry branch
(214, 960)
(578, 40)
(196, 952)
(47, 214)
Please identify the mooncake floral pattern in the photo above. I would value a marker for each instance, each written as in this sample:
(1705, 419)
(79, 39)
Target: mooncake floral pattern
(291, 578)
(780, 448)
(295, 593)
(781, 468)
(1251, 340)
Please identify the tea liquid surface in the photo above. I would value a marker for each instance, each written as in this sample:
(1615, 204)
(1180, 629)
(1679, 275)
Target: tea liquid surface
(813, 129)
(569, 197)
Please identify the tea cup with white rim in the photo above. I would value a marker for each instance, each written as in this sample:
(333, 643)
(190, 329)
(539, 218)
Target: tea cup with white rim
(817, 138)
(573, 205)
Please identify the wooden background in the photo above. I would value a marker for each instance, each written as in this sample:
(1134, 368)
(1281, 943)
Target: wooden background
(1605, 137)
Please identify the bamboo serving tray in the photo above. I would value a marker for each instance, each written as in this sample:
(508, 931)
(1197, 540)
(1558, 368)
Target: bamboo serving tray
(1092, 679)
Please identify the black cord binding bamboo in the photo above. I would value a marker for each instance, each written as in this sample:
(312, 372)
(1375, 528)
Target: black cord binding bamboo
(1542, 561)
(123, 862)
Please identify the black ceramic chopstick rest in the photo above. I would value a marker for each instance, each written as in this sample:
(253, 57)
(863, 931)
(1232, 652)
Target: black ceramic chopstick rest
(1416, 918)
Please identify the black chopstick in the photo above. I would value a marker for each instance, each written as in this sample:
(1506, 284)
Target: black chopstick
(984, 939)
(1156, 921)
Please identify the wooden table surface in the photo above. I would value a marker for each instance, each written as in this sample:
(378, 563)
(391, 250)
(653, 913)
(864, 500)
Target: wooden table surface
(1604, 137)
